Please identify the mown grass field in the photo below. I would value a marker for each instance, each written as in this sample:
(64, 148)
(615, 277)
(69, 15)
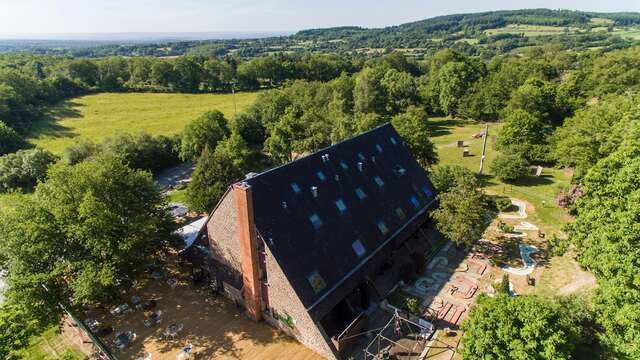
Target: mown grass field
(98, 116)
(530, 30)
(540, 192)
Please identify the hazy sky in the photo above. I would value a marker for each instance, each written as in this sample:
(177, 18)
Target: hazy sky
(92, 16)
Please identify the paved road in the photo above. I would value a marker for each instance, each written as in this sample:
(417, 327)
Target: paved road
(172, 176)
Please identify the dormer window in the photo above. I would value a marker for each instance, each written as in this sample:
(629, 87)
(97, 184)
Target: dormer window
(316, 281)
(414, 201)
(358, 248)
(315, 221)
(360, 193)
(342, 207)
(427, 191)
(383, 227)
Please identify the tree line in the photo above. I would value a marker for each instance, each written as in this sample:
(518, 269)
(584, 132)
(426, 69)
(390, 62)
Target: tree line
(571, 109)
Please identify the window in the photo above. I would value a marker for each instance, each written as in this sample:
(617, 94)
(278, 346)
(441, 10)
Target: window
(360, 193)
(414, 201)
(316, 281)
(383, 227)
(344, 165)
(379, 148)
(399, 170)
(341, 206)
(358, 248)
(427, 191)
(393, 140)
(400, 213)
(378, 181)
(315, 220)
(295, 187)
(361, 157)
(321, 176)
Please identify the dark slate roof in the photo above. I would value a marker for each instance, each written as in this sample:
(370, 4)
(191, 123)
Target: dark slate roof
(285, 208)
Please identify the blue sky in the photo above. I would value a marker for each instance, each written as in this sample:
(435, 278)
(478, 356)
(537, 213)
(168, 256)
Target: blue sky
(95, 16)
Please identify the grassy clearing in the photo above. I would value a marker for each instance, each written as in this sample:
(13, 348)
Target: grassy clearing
(178, 196)
(530, 30)
(51, 345)
(98, 116)
(540, 192)
(629, 33)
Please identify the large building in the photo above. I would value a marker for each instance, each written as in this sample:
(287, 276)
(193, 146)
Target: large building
(304, 245)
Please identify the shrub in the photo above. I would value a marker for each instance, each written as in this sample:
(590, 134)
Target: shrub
(503, 204)
(145, 152)
(80, 150)
(504, 285)
(510, 168)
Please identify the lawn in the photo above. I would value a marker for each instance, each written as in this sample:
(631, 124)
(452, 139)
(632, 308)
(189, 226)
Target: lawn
(540, 192)
(98, 116)
(530, 30)
(51, 345)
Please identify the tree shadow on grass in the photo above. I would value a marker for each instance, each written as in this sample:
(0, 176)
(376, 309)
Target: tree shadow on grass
(529, 180)
(444, 126)
(49, 123)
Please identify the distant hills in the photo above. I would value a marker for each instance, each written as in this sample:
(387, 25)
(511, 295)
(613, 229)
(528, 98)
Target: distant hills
(475, 34)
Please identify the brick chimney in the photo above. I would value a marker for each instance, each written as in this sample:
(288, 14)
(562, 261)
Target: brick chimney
(248, 250)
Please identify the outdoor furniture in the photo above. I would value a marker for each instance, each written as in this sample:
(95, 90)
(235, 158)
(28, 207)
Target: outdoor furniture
(186, 353)
(172, 282)
(136, 301)
(123, 339)
(120, 310)
(92, 324)
(155, 317)
(173, 329)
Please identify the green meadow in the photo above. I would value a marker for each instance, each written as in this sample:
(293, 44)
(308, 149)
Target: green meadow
(98, 116)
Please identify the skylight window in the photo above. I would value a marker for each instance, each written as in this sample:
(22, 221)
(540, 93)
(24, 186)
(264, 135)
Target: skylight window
(378, 181)
(393, 140)
(360, 193)
(400, 213)
(321, 176)
(316, 281)
(295, 187)
(342, 207)
(379, 148)
(427, 191)
(383, 227)
(315, 220)
(361, 157)
(358, 248)
(344, 165)
(414, 201)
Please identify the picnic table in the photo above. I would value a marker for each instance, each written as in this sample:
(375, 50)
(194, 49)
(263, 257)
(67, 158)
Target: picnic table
(120, 310)
(123, 339)
(173, 329)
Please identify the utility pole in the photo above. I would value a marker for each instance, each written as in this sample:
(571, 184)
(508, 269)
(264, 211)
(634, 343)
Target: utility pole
(484, 148)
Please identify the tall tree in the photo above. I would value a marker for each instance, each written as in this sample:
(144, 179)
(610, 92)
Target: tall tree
(413, 126)
(92, 227)
(207, 130)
